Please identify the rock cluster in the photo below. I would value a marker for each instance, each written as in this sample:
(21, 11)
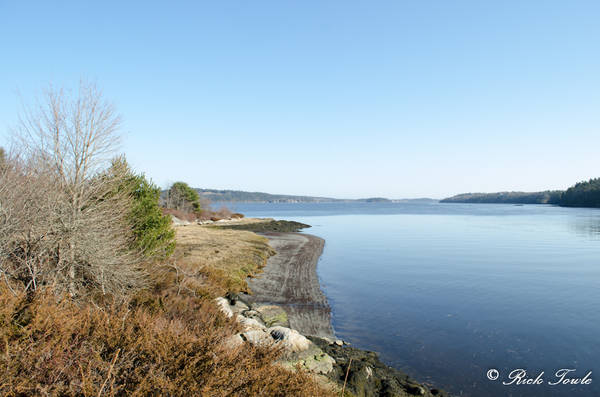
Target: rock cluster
(332, 360)
(366, 375)
(267, 325)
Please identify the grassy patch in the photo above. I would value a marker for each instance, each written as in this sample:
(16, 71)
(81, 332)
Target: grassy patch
(226, 258)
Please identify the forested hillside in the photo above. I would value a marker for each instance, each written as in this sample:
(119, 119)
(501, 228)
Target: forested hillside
(238, 195)
(583, 194)
(546, 197)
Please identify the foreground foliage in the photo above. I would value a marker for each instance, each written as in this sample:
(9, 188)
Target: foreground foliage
(91, 301)
(163, 345)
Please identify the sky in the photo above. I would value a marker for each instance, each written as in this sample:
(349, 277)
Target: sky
(348, 99)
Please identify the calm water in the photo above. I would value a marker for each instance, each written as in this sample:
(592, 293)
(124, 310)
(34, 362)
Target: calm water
(446, 292)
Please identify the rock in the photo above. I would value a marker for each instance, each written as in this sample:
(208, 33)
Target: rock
(257, 337)
(249, 323)
(290, 339)
(234, 341)
(224, 307)
(414, 389)
(367, 375)
(310, 358)
(273, 315)
(254, 315)
(318, 363)
(339, 342)
(232, 297)
(179, 222)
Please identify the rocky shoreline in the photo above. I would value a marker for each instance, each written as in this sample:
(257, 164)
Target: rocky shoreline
(287, 309)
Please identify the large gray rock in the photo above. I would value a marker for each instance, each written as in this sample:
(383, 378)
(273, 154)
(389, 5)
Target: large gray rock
(290, 339)
(234, 341)
(249, 323)
(273, 315)
(258, 337)
(223, 305)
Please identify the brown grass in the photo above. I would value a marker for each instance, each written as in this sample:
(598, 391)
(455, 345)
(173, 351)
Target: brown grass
(225, 257)
(59, 348)
(168, 340)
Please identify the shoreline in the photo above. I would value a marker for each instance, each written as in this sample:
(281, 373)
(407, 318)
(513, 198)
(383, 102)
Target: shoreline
(290, 282)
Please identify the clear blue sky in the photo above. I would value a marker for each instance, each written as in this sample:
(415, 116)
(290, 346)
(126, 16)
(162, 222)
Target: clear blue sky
(333, 98)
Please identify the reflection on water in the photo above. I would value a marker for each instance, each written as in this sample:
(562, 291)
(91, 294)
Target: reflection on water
(587, 225)
(449, 291)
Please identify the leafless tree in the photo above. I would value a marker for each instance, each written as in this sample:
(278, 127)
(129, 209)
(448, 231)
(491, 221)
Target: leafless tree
(70, 227)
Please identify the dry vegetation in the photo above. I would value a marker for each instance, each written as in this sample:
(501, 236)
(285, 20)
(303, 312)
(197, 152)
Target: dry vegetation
(170, 339)
(225, 257)
(168, 345)
(82, 313)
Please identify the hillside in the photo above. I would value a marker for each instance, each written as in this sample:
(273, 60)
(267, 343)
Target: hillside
(546, 197)
(241, 196)
(215, 195)
(583, 194)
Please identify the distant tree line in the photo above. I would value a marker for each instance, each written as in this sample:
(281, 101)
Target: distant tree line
(547, 197)
(582, 194)
(242, 196)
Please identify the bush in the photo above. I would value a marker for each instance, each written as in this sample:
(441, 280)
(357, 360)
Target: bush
(152, 230)
(177, 348)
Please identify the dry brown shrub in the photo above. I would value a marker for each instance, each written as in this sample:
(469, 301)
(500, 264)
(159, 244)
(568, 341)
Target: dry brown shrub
(224, 212)
(174, 348)
(185, 216)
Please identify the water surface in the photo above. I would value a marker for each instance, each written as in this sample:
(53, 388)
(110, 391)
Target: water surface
(447, 292)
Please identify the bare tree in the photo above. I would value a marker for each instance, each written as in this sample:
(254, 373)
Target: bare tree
(67, 143)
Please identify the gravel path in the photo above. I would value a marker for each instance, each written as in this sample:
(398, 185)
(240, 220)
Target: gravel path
(290, 280)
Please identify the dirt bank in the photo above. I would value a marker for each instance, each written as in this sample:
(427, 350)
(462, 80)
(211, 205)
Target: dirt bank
(290, 281)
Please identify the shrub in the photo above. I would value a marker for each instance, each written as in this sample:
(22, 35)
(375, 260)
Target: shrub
(152, 230)
(64, 220)
(178, 348)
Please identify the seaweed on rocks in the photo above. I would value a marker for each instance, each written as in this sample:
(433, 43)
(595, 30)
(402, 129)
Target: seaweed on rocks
(268, 226)
(367, 375)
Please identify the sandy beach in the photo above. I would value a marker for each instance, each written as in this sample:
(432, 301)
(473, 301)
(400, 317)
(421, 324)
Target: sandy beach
(290, 281)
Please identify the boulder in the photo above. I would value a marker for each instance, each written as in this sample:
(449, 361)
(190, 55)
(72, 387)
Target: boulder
(320, 363)
(224, 307)
(257, 337)
(179, 222)
(254, 315)
(291, 340)
(234, 341)
(312, 359)
(249, 323)
(273, 315)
